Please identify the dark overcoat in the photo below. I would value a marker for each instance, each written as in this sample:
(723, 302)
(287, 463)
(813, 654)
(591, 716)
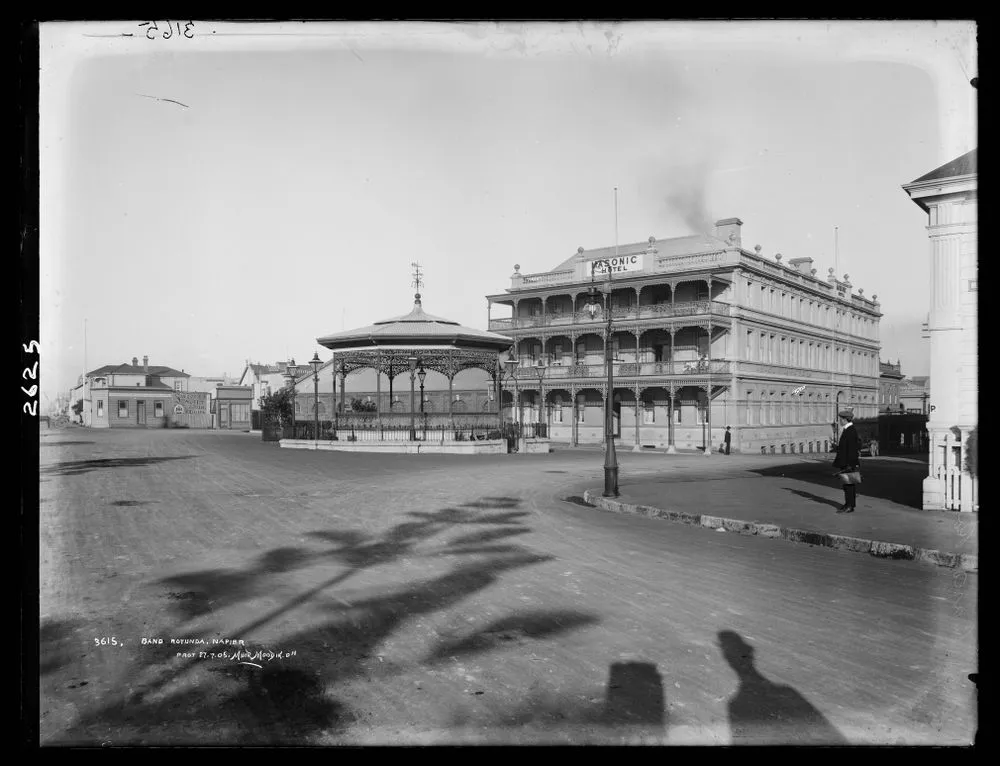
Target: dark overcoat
(847, 450)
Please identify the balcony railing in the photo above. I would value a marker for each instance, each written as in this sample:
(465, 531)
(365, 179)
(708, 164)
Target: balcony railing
(649, 311)
(527, 378)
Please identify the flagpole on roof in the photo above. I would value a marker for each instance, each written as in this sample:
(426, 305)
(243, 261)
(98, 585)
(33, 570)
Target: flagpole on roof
(616, 222)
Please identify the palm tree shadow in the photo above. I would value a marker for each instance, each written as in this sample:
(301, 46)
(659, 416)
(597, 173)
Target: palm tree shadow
(762, 712)
(816, 498)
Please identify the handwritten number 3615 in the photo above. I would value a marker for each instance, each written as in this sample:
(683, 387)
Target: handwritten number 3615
(152, 28)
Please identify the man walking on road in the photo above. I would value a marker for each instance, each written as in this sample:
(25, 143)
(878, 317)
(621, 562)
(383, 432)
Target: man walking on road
(848, 462)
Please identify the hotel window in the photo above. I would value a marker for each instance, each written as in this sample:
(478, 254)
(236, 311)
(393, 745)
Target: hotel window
(158, 409)
(581, 411)
(748, 404)
(648, 413)
(123, 408)
(178, 385)
(100, 408)
(557, 354)
(557, 410)
(749, 347)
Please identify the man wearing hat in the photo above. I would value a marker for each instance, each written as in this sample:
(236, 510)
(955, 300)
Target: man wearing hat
(847, 462)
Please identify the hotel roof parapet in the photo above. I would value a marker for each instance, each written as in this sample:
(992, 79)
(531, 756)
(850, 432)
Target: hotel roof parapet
(696, 261)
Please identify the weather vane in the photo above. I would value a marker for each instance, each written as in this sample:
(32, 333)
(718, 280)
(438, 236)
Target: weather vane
(418, 282)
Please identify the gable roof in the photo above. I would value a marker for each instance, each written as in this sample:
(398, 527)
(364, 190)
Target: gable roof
(128, 369)
(962, 166)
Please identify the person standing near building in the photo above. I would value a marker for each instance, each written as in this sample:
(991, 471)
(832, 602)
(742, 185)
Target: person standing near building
(728, 438)
(848, 461)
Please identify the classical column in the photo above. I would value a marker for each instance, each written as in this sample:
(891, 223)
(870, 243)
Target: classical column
(671, 330)
(671, 449)
(708, 405)
(637, 447)
(708, 419)
(576, 416)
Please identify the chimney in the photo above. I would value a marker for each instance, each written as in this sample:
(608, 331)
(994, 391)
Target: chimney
(145, 364)
(728, 229)
(802, 265)
(135, 361)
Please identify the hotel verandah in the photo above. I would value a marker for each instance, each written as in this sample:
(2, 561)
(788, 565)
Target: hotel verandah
(776, 349)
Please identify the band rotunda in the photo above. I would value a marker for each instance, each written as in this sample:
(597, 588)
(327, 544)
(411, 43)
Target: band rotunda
(704, 335)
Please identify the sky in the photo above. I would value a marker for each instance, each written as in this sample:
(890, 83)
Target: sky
(234, 194)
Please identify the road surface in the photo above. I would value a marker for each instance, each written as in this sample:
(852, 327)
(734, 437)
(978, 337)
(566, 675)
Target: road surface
(460, 599)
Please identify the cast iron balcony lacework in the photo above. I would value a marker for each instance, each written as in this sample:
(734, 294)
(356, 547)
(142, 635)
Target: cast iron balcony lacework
(637, 312)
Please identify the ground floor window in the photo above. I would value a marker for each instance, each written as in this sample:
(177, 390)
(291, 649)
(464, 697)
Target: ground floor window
(158, 409)
(123, 408)
(239, 412)
(100, 408)
(648, 413)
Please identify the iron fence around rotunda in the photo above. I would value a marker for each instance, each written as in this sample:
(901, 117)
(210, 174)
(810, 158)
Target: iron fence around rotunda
(362, 430)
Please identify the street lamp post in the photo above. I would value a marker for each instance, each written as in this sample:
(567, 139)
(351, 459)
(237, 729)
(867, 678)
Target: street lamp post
(413, 374)
(292, 369)
(422, 373)
(512, 363)
(316, 362)
(540, 371)
(610, 458)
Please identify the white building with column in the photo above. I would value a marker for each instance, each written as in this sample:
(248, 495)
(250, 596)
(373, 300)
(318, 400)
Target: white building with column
(948, 195)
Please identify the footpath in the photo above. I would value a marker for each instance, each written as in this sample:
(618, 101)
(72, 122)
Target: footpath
(796, 501)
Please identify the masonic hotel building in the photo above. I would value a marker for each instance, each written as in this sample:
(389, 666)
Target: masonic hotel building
(704, 334)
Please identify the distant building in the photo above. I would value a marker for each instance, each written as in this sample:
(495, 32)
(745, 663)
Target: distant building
(705, 334)
(209, 384)
(231, 407)
(137, 396)
(915, 394)
(263, 379)
(889, 377)
(949, 197)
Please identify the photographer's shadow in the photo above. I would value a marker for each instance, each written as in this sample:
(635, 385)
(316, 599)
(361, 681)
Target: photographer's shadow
(763, 712)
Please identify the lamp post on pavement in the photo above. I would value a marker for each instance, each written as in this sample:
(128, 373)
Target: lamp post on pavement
(291, 369)
(422, 374)
(540, 368)
(413, 374)
(316, 362)
(610, 457)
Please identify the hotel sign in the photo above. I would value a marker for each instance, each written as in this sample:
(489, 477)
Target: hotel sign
(615, 265)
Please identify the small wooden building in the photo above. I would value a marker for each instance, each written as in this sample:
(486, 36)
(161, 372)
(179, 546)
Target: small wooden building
(231, 407)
